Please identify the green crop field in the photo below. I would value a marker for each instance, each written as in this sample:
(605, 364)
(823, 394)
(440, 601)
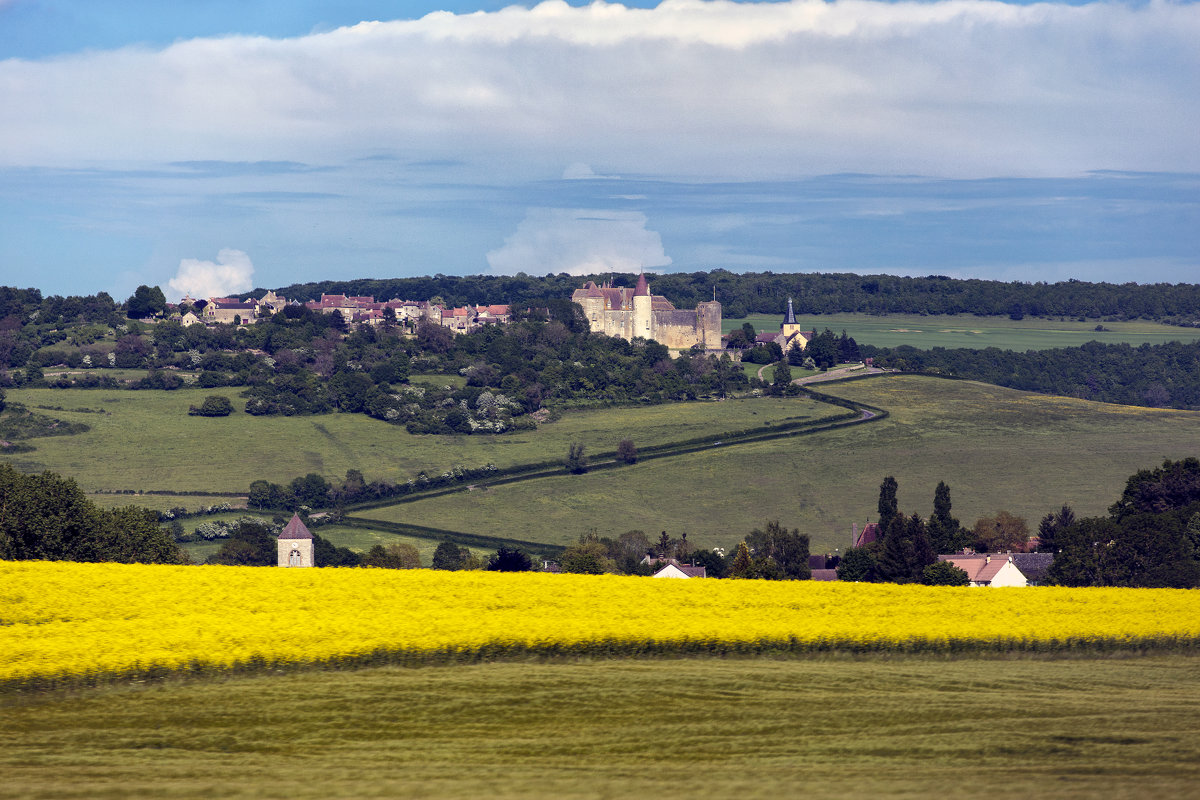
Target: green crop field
(966, 330)
(146, 440)
(996, 448)
(842, 728)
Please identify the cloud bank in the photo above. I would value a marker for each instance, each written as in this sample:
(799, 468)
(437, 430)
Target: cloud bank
(689, 89)
(579, 242)
(231, 273)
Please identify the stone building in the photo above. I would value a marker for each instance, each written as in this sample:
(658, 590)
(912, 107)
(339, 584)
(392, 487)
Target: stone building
(295, 545)
(630, 313)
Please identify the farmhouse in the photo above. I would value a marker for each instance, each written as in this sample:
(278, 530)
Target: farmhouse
(681, 571)
(632, 313)
(295, 546)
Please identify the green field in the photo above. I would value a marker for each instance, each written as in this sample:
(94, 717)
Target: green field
(359, 540)
(147, 441)
(996, 448)
(840, 728)
(966, 330)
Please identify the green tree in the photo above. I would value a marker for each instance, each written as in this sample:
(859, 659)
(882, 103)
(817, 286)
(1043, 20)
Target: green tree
(1000, 533)
(213, 406)
(146, 301)
(888, 508)
(781, 378)
(588, 556)
(509, 559)
(857, 564)
(401, 555)
(945, 532)
(943, 573)
(1051, 525)
(788, 550)
(327, 554)
(447, 556)
(576, 461)
(312, 490)
(743, 566)
(250, 544)
(626, 451)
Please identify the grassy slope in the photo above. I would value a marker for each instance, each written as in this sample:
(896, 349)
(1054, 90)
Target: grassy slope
(147, 441)
(708, 728)
(996, 448)
(976, 332)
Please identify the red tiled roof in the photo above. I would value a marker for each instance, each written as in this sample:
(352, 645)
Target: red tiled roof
(295, 529)
(870, 533)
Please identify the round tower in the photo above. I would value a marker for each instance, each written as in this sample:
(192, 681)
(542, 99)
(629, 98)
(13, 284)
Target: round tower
(643, 319)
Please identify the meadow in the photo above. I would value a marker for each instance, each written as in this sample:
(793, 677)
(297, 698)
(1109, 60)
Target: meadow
(146, 441)
(996, 448)
(769, 728)
(966, 330)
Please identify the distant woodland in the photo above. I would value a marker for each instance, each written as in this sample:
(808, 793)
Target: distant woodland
(812, 293)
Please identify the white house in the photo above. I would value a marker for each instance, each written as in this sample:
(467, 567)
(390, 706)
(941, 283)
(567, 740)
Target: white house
(984, 569)
(674, 570)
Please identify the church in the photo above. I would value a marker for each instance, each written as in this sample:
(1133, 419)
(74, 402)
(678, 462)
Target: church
(630, 313)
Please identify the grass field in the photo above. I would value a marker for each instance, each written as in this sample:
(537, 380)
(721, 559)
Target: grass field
(357, 539)
(996, 448)
(975, 332)
(147, 441)
(673, 728)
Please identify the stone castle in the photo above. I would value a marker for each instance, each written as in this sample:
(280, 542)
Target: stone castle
(630, 313)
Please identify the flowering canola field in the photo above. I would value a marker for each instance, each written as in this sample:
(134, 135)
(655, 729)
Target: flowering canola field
(63, 621)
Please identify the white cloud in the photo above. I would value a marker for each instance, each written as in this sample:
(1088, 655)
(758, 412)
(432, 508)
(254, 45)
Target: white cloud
(689, 89)
(579, 242)
(231, 273)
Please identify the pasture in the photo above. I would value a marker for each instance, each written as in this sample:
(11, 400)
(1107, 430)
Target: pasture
(996, 448)
(965, 330)
(877, 727)
(146, 441)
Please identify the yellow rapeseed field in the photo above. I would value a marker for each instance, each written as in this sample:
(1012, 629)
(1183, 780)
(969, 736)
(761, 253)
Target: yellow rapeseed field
(63, 621)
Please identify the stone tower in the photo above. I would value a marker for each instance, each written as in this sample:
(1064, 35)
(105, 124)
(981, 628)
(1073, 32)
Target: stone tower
(642, 316)
(295, 545)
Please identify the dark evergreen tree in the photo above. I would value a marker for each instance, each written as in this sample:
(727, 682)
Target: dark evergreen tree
(887, 503)
(945, 533)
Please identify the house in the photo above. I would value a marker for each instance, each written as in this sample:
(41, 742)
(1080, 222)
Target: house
(229, 310)
(1033, 566)
(985, 569)
(295, 545)
(677, 570)
(824, 575)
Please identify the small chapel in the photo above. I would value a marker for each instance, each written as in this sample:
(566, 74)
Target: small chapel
(295, 544)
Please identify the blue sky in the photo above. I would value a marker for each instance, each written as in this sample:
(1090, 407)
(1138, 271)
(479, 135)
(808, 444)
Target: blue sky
(214, 146)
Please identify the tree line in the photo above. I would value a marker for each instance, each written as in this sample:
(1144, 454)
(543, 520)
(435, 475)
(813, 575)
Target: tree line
(812, 293)
(1159, 375)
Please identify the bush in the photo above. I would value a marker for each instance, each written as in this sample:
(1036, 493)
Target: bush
(213, 406)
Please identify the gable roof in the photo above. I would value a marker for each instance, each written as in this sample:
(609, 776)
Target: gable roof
(980, 568)
(870, 533)
(295, 529)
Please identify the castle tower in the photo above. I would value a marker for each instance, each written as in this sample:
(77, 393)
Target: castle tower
(642, 316)
(295, 545)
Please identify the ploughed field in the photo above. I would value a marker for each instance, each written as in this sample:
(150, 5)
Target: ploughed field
(864, 690)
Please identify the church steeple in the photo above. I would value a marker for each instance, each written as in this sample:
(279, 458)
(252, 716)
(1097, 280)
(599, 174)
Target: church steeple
(790, 319)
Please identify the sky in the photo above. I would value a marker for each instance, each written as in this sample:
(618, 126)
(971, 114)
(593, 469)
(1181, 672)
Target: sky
(215, 146)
